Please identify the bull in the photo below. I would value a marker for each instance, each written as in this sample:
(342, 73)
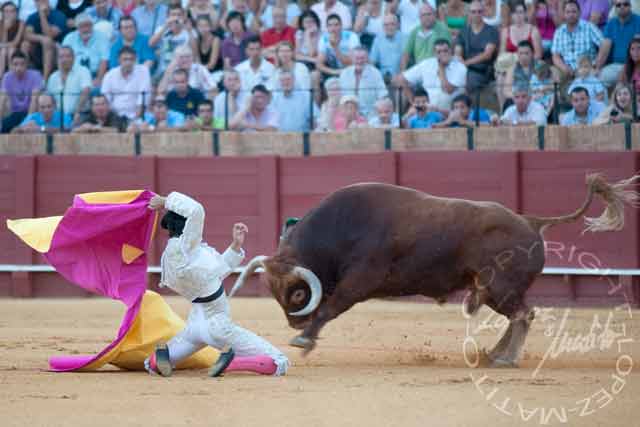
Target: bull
(375, 240)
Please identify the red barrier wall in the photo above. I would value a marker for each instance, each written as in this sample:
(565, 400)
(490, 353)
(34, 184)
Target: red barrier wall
(261, 191)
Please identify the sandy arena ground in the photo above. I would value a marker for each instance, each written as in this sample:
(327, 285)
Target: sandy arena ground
(384, 363)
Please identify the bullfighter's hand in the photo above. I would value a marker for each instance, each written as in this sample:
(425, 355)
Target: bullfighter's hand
(239, 232)
(156, 203)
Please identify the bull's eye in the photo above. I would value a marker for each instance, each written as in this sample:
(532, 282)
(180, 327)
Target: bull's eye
(297, 297)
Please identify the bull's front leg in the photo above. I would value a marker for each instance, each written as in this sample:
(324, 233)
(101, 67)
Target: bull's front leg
(307, 339)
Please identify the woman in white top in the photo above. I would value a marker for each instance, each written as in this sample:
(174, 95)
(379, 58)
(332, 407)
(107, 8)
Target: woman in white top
(307, 39)
(368, 23)
(496, 13)
(285, 62)
(195, 270)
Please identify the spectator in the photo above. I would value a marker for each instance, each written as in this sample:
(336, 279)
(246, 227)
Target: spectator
(201, 9)
(385, 117)
(128, 87)
(199, 76)
(495, 13)
(368, 23)
(454, 14)
(255, 70)
(524, 111)
(26, 8)
(125, 7)
(20, 87)
(129, 36)
(285, 63)
(205, 121)
(618, 34)
(307, 39)
(329, 109)
(574, 39)
(520, 30)
(292, 12)
(326, 8)
(46, 120)
(631, 71)
(150, 16)
(44, 28)
(101, 119)
(585, 78)
(71, 9)
(547, 15)
(71, 84)
(421, 41)
(462, 115)
(11, 34)
(207, 46)
(335, 46)
(233, 45)
(363, 80)
(106, 18)
(476, 47)
(619, 111)
(90, 47)
(409, 13)
(295, 103)
(584, 110)
(520, 74)
(232, 99)
(183, 97)
(159, 119)
(386, 52)
(280, 32)
(348, 115)
(421, 115)
(443, 77)
(168, 37)
(249, 19)
(594, 11)
(542, 86)
(256, 116)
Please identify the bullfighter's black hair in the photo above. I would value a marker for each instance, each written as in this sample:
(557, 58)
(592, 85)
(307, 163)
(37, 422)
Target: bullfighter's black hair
(174, 223)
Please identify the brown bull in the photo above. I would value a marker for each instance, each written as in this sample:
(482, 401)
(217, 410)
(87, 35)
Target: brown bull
(377, 240)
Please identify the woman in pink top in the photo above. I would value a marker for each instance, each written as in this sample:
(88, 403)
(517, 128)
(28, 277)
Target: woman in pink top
(518, 31)
(547, 17)
(125, 6)
(348, 117)
(631, 71)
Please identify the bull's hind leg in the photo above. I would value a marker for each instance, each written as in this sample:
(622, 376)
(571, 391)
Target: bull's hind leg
(509, 349)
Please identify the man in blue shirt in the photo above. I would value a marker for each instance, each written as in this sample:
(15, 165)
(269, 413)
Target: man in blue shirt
(617, 35)
(421, 115)
(462, 115)
(386, 52)
(91, 47)
(160, 119)
(184, 98)
(584, 109)
(295, 103)
(46, 119)
(150, 16)
(129, 36)
(43, 40)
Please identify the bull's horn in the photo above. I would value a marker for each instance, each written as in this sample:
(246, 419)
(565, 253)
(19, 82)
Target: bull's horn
(248, 271)
(316, 290)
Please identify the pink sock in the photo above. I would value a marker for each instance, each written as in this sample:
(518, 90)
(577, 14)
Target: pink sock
(258, 364)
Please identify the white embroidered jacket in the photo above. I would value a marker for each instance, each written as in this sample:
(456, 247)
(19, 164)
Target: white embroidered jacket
(189, 266)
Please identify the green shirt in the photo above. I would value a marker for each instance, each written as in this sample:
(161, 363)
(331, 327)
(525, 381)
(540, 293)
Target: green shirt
(216, 123)
(420, 47)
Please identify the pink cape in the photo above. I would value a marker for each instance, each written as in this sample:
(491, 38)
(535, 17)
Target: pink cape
(102, 247)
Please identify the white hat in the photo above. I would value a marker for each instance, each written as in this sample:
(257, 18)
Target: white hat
(349, 98)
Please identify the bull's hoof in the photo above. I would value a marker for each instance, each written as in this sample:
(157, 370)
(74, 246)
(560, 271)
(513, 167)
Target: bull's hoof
(306, 344)
(502, 363)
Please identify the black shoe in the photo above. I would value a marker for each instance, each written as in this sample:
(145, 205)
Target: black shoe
(163, 363)
(222, 363)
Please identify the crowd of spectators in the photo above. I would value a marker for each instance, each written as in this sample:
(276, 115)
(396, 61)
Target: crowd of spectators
(267, 65)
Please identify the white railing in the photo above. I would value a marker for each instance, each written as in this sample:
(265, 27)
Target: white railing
(552, 271)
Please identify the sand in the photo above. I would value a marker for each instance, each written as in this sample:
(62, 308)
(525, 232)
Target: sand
(384, 363)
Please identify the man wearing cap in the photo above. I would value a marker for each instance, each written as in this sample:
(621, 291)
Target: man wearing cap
(91, 47)
(256, 116)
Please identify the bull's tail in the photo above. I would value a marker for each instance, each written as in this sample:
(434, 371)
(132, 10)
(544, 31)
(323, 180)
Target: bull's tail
(614, 195)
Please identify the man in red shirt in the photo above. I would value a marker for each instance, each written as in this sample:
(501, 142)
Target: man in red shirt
(280, 32)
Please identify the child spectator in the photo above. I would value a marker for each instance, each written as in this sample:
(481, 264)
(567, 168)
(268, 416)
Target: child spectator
(421, 115)
(587, 79)
(542, 87)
